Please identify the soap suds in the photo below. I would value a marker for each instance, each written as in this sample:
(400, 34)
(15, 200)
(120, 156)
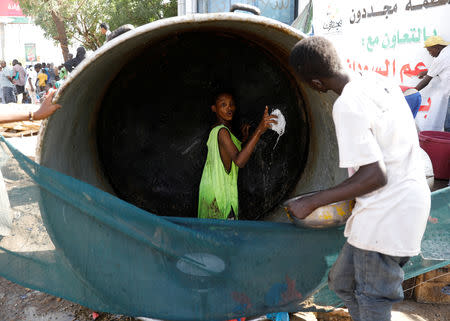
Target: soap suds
(279, 126)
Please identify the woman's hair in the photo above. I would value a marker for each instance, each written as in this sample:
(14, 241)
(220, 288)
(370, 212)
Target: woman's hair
(216, 96)
(220, 91)
(315, 57)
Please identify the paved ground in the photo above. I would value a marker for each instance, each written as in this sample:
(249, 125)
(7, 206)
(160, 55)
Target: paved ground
(405, 311)
(26, 145)
(21, 304)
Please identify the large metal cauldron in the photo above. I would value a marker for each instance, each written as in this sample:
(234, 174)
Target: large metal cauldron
(136, 115)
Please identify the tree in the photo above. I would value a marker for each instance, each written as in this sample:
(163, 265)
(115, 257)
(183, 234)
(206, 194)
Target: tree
(47, 15)
(138, 12)
(67, 21)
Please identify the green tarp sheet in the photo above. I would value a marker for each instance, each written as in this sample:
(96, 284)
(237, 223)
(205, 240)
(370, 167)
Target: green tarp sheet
(69, 239)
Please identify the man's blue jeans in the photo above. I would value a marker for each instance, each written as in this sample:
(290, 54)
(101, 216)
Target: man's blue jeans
(368, 282)
(8, 95)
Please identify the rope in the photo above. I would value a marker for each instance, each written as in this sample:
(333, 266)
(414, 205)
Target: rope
(436, 277)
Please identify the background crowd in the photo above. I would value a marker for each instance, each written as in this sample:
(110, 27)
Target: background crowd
(30, 84)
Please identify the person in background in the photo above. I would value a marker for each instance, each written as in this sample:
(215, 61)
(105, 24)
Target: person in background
(46, 109)
(121, 30)
(104, 29)
(62, 72)
(26, 98)
(72, 63)
(51, 74)
(45, 70)
(31, 84)
(61, 77)
(42, 78)
(55, 70)
(378, 144)
(439, 69)
(20, 76)
(6, 84)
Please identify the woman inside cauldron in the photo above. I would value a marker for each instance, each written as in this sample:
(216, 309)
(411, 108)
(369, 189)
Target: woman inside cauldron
(218, 192)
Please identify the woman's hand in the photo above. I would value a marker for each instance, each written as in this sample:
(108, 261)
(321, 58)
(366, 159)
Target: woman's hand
(47, 107)
(302, 207)
(245, 130)
(266, 121)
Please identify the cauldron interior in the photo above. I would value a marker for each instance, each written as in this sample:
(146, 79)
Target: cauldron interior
(136, 115)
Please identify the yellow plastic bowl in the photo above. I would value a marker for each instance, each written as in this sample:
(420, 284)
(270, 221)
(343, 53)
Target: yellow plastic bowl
(331, 215)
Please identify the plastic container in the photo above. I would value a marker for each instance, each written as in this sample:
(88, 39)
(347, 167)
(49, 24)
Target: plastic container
(331, 215)
(437, 146)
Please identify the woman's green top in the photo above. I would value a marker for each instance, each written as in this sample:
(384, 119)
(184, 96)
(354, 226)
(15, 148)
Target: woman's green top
(218, 192)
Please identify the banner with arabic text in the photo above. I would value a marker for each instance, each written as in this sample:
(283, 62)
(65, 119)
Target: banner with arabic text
(387, 37)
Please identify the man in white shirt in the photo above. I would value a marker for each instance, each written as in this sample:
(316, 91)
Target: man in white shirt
(439, 71)
(30, 84)
(377, 141)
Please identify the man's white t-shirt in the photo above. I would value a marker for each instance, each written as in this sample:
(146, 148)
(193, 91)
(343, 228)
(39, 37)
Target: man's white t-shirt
(440, 68)
(374, 123)
(32, 75)
(4, 74)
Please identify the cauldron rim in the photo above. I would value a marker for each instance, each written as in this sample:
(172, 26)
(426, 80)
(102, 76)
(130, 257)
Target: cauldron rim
(319, 170)
(199, 18)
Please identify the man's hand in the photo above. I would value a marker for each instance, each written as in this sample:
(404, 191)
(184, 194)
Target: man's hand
(424, 82)
(422, 74)
(47, 107)
(302, 207)
(367, 179)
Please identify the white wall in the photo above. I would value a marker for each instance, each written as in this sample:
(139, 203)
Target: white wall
(187, 7)
(17, 35)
